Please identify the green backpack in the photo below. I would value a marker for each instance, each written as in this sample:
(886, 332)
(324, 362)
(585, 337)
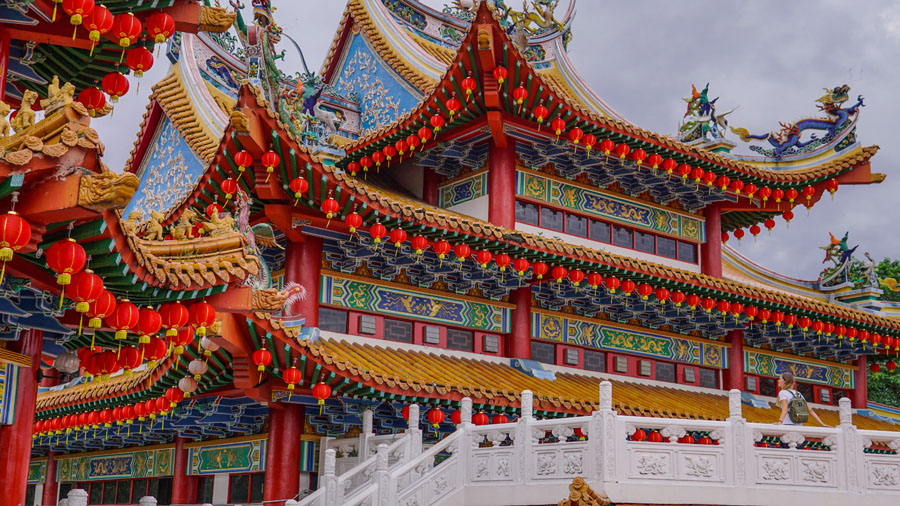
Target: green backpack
(798, 410)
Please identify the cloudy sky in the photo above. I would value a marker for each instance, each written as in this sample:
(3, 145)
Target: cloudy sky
(770, 57)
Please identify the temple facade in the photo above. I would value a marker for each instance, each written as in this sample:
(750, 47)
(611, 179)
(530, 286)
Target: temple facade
(439, 270)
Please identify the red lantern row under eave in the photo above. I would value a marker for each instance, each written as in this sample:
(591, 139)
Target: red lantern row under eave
(15, 234)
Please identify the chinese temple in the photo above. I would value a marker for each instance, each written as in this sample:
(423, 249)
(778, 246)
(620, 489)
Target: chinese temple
(439, 270)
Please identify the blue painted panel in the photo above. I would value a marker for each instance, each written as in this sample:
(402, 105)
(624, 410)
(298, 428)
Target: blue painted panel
(170, 172)
(382, 93)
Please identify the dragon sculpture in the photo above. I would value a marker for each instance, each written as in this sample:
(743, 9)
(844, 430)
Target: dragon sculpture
(788, 139)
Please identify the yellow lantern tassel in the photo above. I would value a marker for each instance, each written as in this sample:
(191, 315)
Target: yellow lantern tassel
(53, 18)
(62, 296)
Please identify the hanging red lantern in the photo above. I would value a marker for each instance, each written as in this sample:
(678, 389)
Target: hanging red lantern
(788, 215)
(693, 301)
(435, 417)
(126, 29)
(174, 316)
(115, 84)
(292, 376)
(739, 234)
(378, 158)
(708, 304)
(765, 192)
(401, 147)
(683, 170)
(330, 207)
(92, 99)
(628, 287)
(639, 435)
(697, 174)
(500, 74)
(377, 231)
(162, 405)
(456, 417)
(864, 335)
(389, 153)
(655, 437)
(419, 244)
(499, 419)
(153, 350)
(352, 167)
(852, 332)
(751, 312)
(321, 392)
(214, 209)
(654, 160)
(462, 251)
(770, 224)
(201, 316)
(353, 221)
(606, 146)
(678, 297)
(64, 257)
(480, 419)
(174, 395)
(229, 187)
(398, 237)
(589, 141)
(639, 156)
(818, 326)
(539, 269)
(736, 186)
(502, 261)
(160, 26)
(139, 60)
(15, 234)
(558, 125)
(575, 135)
(644, 290)
(622, 150)
(412, 141)
(468, 85)
(804, 323)
(299, 186)
(832, 186)
(829, 329)
(764, 315)
(270, 160)
(242, 159)
(791, 194)
(662, 295)
(790, 319)
(722, 182)
(612, 283)
(710, 179)
(100, 308)
(755, 230)
(77, 11)
(519, 95)
(809, 192)
(130, 359)
(723, 306)
(86, 287)
(559, 273)
(891, 365)
(106, 364)
(778, 194)
(149, 323)
(261, 358)
(875, 368)
(725, 237)
(453, 106)
(182, 339)
(424, 134)
(437, 122)
(97, 23)
(520, 265)
(366, 161)
(576, 276)
(441, 248)
(750, 190)
(595, 279)
(540, 113)
(483, 258)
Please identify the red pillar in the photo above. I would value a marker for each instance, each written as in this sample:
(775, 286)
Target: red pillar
(431, 182)
(184, 486)
(303, 265)
(4, 60)
(51, 487)
(15, 440)
(734, 375)
(519, 341)
(502, 185)
(283, 453)
(711, 250)
(860, 394)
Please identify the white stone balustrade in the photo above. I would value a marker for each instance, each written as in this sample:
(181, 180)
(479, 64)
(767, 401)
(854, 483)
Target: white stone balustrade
(532, 461)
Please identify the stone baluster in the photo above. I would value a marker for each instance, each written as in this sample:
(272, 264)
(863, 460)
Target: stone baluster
(147, 500)
(602, 435)
(850, 448)
(415, 444)
(382, 476)
(365, 436)
(329, 480)
(465, 412)
(739, 446)
(527, 404)
(522, 438)
(77, 497)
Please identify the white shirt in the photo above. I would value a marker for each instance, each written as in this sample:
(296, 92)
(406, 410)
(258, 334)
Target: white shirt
(787, 395)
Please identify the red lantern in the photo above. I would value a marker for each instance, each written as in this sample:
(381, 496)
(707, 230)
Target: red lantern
(791, 194)
(736, 186)
(162, 405)
(139, 60)
(750, 189)
(751, 312)
(818, 326)
(435, 417)
(129, 358)
(98, 22)
(441, 248)
(125, 316)
(174, 316)
(540, 114)
(389, 152)
(804, 323)
(261, 358)
(160, 26)
(778, 194)
(398, 237)
(628, 286)
(100, 308)
(589, 141)
(182, 339)
(502, 261)
(153, 350)
(852, 332)
(106, 363)
(174, 395)
(126, 29)
(214, 209)
(352, 168)
(539, 269)
(809, 192)
(788, 215)
(639, 435)
(722, 182)
(595, 280)
(149, 323)
(424, 134)
(480, 419)
(412, 141)
(755, 230)
(864, 335)
(644, 290)
(453, 106)
(92, 99)
(499, 419)
(520, 265)
(229, 186)
(639, 156)
(725, 237)
(483, 258)
(558, 125)
(622, 150)
(330, 207)
(559, 273)
(270, 160)
(299, 187)
(654, 160)
(765, 192)
(86, 287)
(201, 316)
(875, 368)
(115, 84)
(353, 221)
(705, 440)
(891, 365)
(77, 10)
(243, 160)
(500, 74)
(15, 233)
(832, 186)
(378, 157)
(292, 376)
(366, 161)
(770, 224)
(519, 95)
(321, 392)
(64, 257)
(662, 295)
(462, 251)
(655, 437)
(612, 283)
(723, 306)
(607, 146)
(739, 234)
(377, 231)
(575, 135)
(456, 417)
(437, 122)
(709, 178)
(401, 147)
(790, 320)
(468, 85)
(576, 276)
(683, 170)
(419, 244)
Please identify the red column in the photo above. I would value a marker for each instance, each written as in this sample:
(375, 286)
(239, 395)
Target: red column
(4, 60)
(502, 185)
(51, 487)
(860, 394)
(711, 250)
(734, 375)
(283, 453)
(518, 344)
(15, 440)
(431, 182)
(303, 265)
(184, 486)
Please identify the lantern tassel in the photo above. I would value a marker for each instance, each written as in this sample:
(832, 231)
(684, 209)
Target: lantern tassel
(2, 273)
(267, 178)
(122, 56)
(74, 32)
(92, 46)
(53, 20)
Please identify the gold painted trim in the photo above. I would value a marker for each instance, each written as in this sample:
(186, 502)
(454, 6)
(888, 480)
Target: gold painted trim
(230, 440)
(463, 177)
(15, 358)
(803, 358)
(119, 451)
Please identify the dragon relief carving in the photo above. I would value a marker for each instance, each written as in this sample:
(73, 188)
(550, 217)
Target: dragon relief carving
(580, 494)
(106, 190)
(215, 19)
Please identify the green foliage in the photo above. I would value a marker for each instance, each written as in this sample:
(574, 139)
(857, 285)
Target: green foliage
(889, 269)
(884, 386)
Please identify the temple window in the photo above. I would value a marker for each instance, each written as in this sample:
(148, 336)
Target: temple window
(431, 334)
(570, 356)
(825, 396)
(600, 231)
(399, 330)
(576, 225)
(205, 489)
(665, 371)
(750, 384)
(463, 340)
(644, 242)
(331, 320)
(244, 488)
(645, 368)
(368, 325)
(595, 361)
(543, 352)
(620, 365)
(709, 378)
(687, 252)
(552, 219)
(491, 344)
(666, 247)
(689, 375)
(527, 213)
(622, 236)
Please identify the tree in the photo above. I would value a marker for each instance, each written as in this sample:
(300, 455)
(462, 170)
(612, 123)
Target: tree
(889, 269)
(884, 386)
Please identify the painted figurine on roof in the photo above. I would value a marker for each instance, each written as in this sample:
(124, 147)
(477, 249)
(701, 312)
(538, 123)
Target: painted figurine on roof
(701, 121)
(788, 140)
